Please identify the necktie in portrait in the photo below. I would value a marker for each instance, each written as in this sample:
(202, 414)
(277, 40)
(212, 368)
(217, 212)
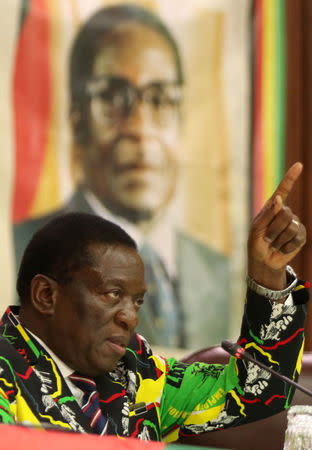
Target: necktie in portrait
(161, 308)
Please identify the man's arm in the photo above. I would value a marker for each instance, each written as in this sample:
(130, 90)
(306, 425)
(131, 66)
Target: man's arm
(211, 397)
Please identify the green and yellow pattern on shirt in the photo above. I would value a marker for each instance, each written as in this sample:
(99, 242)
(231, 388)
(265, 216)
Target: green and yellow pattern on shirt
(150, 397)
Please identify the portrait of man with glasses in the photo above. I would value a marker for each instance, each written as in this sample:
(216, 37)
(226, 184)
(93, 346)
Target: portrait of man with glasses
(126, 92)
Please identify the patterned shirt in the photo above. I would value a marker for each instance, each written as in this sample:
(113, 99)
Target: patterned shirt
(150, 397)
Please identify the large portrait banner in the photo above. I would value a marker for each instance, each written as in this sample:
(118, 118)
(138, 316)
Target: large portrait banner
(138, 112)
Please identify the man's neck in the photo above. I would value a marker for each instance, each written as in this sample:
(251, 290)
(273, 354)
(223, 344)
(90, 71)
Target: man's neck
(145, 232)
(136, 231)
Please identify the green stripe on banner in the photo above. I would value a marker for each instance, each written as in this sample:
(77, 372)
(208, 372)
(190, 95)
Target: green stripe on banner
(280, 89)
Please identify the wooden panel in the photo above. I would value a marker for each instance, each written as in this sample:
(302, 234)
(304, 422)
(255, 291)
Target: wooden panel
(299, 126)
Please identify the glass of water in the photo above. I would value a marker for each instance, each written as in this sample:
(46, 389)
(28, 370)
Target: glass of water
(298, 434)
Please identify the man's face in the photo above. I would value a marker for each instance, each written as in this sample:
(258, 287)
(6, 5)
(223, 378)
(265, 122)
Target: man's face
(96, 311)
(130, 161)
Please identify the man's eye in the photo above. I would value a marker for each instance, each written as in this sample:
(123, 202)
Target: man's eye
(115, 295)
(139, 301)
(106, 96)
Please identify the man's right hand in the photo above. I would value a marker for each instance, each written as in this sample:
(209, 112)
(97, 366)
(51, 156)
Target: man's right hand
(276, 236)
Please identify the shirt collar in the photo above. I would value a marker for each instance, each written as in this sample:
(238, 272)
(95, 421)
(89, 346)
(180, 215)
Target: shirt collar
(12, 315)
(63, 368)
(136, 233)
(98, 207)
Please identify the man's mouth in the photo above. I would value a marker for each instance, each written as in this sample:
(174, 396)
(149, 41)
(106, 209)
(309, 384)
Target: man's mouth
(136, 167)
(118, 344)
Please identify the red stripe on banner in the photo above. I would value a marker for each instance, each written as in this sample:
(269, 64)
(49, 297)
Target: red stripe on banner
(258, 134)
(32, 101)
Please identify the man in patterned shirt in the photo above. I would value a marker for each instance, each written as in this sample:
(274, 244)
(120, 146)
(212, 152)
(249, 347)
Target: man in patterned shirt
(69, 356)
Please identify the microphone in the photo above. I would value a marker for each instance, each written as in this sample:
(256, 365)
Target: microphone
(240, 353)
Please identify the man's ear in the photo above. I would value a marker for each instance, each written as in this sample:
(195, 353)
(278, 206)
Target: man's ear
(43, 294)
(77, 126)
(74, 119)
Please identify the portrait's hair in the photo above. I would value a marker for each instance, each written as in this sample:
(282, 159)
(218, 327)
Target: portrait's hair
(88, 41)
(62, 246)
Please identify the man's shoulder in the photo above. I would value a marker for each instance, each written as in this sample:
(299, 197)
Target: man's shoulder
(23, 231)
(188, 244)
(29, 226)
(76, 202)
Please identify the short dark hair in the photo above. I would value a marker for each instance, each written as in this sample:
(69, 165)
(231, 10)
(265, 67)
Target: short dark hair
(88, 40)
(61, 247)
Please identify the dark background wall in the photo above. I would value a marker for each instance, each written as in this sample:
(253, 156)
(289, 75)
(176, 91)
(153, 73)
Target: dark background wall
(299, 126)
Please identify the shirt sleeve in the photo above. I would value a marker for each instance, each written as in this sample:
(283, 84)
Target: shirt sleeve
(205, 397)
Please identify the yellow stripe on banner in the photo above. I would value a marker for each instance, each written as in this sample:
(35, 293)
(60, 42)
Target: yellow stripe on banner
(75, 13)
(268, 97)
(48, 193)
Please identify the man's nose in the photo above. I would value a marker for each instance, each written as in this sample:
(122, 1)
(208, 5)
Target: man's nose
(127, 315)
(139, 118)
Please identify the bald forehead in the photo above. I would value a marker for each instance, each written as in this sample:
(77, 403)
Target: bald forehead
(100, 250)
(109, 257)
(116, 261)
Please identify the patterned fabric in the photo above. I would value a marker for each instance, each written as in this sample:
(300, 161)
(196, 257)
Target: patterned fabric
(149, 397)
(90, 402)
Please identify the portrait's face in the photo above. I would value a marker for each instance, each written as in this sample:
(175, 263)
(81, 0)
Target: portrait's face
(130, 161)
(96, 311)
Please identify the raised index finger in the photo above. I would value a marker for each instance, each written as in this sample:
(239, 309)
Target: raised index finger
(287, 183)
